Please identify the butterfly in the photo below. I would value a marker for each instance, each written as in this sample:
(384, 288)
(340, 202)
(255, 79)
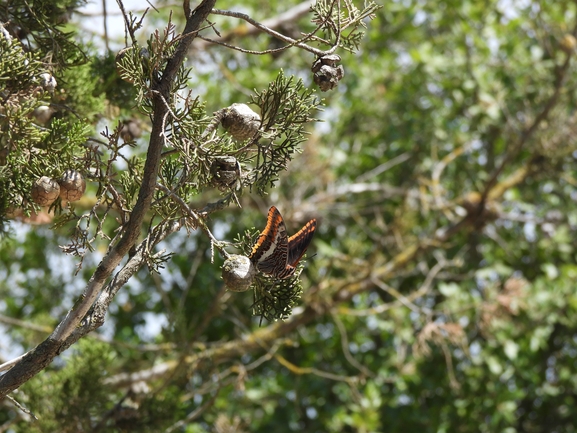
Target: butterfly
(274, 253)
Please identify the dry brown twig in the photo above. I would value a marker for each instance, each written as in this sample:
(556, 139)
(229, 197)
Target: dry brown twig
(269, 26)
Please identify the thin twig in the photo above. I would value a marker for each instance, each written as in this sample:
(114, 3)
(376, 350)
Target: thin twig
(288, 40)
(22, 408)
(244, 50)
(105, 24)
(193, 415)
(295, 369)
(24, 324)
(395, 294)
(197, 220)
(345, 347)
(127, 25)
(383, 167)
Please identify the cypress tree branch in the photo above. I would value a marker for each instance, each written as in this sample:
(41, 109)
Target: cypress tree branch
(40, 357)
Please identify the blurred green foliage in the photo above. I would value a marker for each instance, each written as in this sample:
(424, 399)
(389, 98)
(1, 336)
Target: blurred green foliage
(441, 297)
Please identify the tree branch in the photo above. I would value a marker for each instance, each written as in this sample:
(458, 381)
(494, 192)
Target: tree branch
(24, 366)
(290, 16)
(68, 331)
(274, 33)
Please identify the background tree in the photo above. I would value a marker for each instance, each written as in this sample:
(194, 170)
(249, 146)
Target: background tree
(441, 293)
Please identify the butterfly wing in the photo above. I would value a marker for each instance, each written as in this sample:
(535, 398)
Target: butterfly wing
(270, 252)
(298, 243)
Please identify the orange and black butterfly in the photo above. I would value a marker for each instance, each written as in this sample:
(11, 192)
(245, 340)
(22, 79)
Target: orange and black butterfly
(274, 253)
